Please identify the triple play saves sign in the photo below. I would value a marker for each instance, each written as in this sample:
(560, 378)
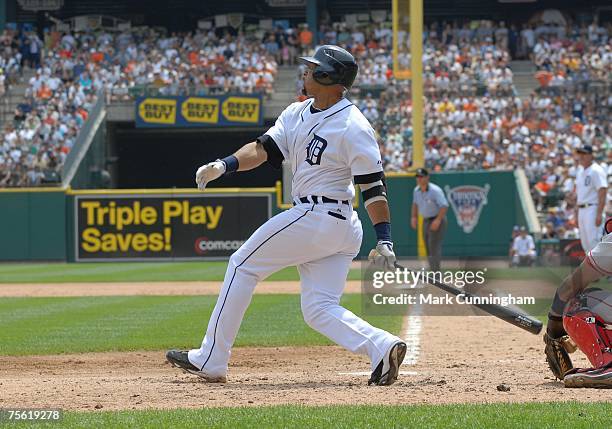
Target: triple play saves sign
(165, 226)
(194, 111)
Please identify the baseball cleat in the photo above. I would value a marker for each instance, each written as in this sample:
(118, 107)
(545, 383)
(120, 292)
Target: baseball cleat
(387, 370)
(179, 359)
(598, 378)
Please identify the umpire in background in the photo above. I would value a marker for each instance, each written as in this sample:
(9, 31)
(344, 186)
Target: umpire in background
(429, 201)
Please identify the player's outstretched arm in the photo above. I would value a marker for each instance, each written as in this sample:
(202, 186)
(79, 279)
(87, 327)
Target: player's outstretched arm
(248, 157)
(379, 212)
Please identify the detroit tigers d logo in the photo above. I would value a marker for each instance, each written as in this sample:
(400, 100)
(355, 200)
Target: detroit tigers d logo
(315, 149)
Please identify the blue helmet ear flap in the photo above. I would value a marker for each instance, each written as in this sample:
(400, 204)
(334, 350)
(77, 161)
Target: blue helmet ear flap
(323, 78)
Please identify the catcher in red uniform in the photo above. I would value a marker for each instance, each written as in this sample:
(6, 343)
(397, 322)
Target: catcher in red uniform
(582, 318)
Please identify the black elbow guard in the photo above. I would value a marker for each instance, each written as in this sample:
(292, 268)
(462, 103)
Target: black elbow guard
(373, 187)
(376, 191)
(275, 156)
(373, 194)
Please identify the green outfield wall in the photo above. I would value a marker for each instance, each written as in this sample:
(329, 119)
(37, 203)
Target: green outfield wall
(484, 208)
(52, 224)
(33, 225)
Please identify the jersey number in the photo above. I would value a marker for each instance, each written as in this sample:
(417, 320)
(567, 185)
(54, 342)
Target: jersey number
(315, 149)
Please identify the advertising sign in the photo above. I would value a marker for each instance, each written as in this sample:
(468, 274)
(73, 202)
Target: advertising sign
(226, 110)
(146, 227)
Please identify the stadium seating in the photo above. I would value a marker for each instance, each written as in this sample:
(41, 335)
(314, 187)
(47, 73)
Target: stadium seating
(473, 116)
(76, 68)
(474, 119)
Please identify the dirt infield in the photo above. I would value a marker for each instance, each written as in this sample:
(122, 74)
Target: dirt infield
(212, 288)
(148, 288)
(449, 360)
(458, 360)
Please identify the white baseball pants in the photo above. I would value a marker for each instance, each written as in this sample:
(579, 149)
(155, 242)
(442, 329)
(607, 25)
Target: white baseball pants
(590, 234)
(322, 246)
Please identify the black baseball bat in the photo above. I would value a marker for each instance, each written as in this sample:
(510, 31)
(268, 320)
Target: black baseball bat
(506, 314)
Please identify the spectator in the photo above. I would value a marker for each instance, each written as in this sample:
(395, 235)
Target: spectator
(305, 37)
(523, 249)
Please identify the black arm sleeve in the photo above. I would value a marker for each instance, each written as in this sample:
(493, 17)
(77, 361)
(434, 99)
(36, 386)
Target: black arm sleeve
(275, 156)
(369, 178)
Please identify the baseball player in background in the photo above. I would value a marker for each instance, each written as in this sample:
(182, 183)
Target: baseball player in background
(523, 249)
(330, 145)
(581, 317)
(591, 193)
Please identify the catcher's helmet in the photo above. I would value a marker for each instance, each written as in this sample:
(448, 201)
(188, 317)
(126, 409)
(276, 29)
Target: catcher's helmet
(334, 65)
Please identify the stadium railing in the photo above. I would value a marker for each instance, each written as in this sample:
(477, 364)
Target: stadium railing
(118, 95)
(83, 140)
(593, 86)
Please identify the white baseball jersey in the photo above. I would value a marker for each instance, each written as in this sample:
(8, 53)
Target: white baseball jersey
(588, 182)
(327, 148)
(524, 246)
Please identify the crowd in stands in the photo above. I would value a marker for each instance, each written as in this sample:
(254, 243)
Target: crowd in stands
(468, 85)
(35, 143)
(475, 120)
(563, 124)
(74, 68)
(12, 52)
(473, 117)
(199, 63)
(457, 59)
(577, 58)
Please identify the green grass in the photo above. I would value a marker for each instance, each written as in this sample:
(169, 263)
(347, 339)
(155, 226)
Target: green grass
(198, 271)
(549, 415)
(87, 324)
(127, 272)
(539, 310)
(549, 274)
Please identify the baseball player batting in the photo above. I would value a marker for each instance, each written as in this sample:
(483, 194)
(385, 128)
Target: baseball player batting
(582, 318)
(330, 146)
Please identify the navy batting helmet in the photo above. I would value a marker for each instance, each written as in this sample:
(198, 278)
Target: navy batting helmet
(334, 66)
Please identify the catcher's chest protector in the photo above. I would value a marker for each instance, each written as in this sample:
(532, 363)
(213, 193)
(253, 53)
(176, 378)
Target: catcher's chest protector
(588, 321)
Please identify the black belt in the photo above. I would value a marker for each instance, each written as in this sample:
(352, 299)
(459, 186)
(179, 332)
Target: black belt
(431, 218)
(584, 206)
(320, 200)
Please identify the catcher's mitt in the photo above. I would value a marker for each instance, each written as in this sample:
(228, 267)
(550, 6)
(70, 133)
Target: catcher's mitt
(557, 354)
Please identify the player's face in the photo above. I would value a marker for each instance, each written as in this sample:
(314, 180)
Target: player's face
(585, 159)
(309, 83)
(422, 180)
